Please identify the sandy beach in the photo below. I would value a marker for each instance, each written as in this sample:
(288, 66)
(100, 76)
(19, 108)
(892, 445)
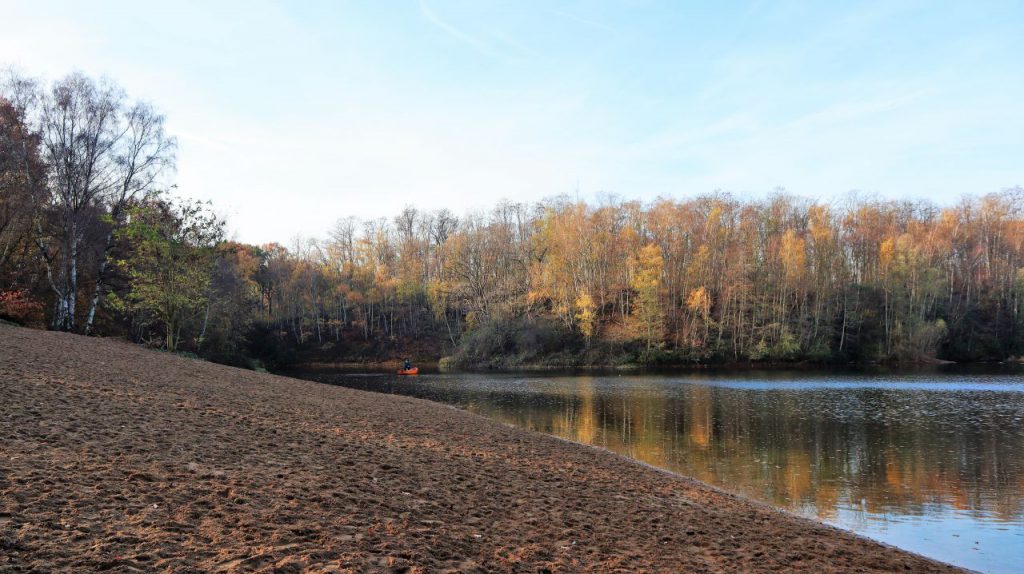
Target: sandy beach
(121, 459)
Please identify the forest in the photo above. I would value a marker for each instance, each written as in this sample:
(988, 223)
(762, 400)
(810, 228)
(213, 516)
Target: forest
(96, 239)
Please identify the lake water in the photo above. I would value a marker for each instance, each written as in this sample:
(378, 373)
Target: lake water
(929, 462)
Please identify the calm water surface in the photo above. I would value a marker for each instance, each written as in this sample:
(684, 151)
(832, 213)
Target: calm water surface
(933, 463)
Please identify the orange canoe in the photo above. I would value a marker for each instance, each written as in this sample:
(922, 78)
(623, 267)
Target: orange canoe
(411, 371)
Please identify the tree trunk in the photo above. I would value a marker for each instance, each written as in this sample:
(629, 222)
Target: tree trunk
(64, 317)
(97, 292)
(170, 336)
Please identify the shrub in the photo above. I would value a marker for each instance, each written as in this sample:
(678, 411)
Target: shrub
(21, 308)
(658, 356)
(518, 341)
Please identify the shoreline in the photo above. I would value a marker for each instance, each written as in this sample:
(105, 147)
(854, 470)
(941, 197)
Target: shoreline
(434, 367)
(746, 499)
(129, 460)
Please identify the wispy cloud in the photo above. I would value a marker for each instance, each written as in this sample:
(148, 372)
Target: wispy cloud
(581, 20)
(452, 31)
(513, 44)
(488, 39)
(853, 111)
(354, 110)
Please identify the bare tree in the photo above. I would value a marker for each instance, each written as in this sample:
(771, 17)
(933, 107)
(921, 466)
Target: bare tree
(343, 241)
(142, 154)
(79, 130)
(445, 225)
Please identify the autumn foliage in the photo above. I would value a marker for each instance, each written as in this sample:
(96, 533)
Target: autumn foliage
(21, 308)
(713, 278)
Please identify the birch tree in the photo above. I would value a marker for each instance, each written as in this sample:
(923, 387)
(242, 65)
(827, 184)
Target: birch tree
(100, 152)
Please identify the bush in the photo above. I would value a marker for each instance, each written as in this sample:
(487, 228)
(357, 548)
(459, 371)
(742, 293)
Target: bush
(518, 341)
(759, 351)
(787, 348)
(658, 356)
(21, 308)
(820, 353)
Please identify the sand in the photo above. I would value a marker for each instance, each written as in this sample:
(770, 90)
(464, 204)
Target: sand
(120, 459)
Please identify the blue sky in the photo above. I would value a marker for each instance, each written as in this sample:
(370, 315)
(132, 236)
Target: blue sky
(291, 115)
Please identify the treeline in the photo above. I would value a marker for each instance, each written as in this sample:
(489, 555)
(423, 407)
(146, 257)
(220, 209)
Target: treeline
(88, 243)
(708, 279)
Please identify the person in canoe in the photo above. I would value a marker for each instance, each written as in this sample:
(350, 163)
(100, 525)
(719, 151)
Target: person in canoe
(408, 369)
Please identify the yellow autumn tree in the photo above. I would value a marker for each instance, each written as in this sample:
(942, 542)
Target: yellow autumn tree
(586, 316)
(646, 281)
(699, 303)
(794, 257)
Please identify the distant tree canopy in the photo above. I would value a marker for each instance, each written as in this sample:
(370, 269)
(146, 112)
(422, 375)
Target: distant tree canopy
(88, 243)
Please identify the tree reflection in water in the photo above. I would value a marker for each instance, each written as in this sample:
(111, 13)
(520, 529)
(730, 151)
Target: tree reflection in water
(942, 453)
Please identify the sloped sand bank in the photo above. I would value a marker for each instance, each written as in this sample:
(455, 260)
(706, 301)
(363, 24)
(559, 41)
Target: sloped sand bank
(115, 458)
